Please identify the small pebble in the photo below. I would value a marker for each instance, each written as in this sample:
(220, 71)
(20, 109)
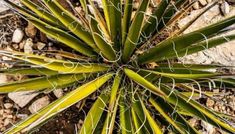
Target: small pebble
(28, 46)
(6, 122)
(58, 93)
(22, 116)
(40, 45)
(21, 45)
(216, 91)
(196, 5)
(31, 30)
(38, 104)
(17, 35)
(210, 102)
(8, 105)
(3, 78)
(57, 56)
(225, 8)
(15, 46)
(203, 2)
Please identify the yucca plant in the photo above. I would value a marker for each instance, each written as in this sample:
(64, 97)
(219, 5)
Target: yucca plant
(130, 63)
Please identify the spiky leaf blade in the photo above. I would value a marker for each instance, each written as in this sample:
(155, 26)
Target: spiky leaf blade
(59, 105)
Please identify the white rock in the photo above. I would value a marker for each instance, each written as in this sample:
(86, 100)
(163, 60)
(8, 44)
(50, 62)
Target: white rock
(6, 122)
(193, 122)
(210, 102)
(231, 1)
(40, 45)
(5, 58)
(203, 2)
(38, 104)
(223, 54)
(3, 79)
(22, 98)
(225, 8)
(8, 105)
(209, 128)
(22, 116)
(58, 56)
(58, 93)
(17, 35)
(3, 6)
(28, 47)
(15, 46)
(196, 5)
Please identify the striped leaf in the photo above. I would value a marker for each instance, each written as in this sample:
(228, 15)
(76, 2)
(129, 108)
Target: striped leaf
(94, 115)
(175, 44)
(29, 71)
(106, 49)
(70, 21)
(125, 115)
(59, 105)
(42, 13)
(126, 20)
(37, 84)
(134, 31)
(57, 65)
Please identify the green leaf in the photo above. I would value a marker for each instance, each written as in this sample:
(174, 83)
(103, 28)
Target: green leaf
(175, 44)
(126, 20)
(29, 71)
(181, 66)
(70, 21)
(30, 14)
(113, 105)
(106, 4)
(172, 116)
(94, 115)
(220, 82)
(168, 118)
(155, 127)
(84, 5)
(182, 74)
(182, 101)
(142, 81)
(134, 31)
(62, 36)
(42, 13)
(193, 107)
(137, 124)
(101, 22)
(115, 15)
(182, 11)
(125, 115)
(114, 91)
(59, 105)
(110, 119)
(57, 65)
(51, 82)
(200, 46)
(137, 107)
(105, 48)
(153, 21)
(170, 12)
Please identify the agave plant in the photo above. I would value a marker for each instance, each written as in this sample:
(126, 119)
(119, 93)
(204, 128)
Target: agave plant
(126, 62)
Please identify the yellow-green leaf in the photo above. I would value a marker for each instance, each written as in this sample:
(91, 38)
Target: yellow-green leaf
(58, 105)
